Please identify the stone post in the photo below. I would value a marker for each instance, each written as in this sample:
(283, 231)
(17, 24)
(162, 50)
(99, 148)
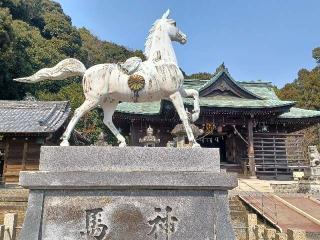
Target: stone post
(296, 234)
(10, 223)
(281, 236)
(258, 231)
(250, 224)
(269, 234)
(2, 229)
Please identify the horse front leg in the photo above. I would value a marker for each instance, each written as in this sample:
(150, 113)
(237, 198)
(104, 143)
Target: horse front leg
(178, 104)
(196, 104)
(78, 113)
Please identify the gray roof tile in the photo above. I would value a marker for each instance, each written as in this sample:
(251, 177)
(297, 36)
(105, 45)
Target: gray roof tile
(32, 116)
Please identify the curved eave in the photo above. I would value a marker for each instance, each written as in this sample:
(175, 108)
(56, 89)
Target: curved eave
(299, 116)
(302, 121)
(210, 110)
(261, 106)
(244, 111)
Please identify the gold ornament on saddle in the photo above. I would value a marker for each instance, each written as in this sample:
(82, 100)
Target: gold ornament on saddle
(136, 83)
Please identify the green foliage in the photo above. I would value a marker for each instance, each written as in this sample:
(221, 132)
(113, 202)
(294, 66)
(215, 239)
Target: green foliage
(200, 76)
(316, 54)
(6, 34)
(97, 51)
(91, 124)
(305, 89)
(35, 34)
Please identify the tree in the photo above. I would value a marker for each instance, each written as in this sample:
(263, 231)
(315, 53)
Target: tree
(200, 76)
(305, 90)
(37, 33)
(316, 54)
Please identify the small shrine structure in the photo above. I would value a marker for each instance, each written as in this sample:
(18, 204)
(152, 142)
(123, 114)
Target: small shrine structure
(149, 140)
(25, 127)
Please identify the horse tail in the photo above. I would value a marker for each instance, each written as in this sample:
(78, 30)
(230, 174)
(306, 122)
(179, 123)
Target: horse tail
(69, 67)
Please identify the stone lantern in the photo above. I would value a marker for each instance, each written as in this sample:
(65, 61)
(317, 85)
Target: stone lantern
(180, 133)
(149, 140)
(101, 140)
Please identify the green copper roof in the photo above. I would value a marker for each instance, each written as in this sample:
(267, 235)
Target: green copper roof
(296, 113)
(263, 90)
(148, 108)
(194, 83)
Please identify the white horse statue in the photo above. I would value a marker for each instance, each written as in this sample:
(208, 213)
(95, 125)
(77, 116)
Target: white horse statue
(159, 77)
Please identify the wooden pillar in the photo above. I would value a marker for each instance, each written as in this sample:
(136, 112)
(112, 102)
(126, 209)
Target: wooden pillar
(24, 155)
(6, 155)
(252, 164)
(131, 132)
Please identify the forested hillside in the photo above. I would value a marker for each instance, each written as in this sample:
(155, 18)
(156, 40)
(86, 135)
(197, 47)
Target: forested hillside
(35, 34)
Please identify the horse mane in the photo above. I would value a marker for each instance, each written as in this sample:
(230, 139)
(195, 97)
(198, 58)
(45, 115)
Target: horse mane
(147, 45)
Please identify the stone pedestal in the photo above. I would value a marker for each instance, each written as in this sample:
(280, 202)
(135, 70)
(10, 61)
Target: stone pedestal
(312, 172)
(99, 193)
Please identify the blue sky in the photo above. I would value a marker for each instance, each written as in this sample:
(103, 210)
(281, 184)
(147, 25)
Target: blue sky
(268, 40)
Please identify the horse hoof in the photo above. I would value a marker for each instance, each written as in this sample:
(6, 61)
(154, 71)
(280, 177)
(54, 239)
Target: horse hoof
(65, 143)
(123, 144)
(196, 145)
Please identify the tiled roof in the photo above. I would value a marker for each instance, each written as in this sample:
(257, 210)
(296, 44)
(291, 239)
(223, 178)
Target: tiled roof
(266, 98)
(147, 108)
(261, 89)
(218, 75)
(32, 116)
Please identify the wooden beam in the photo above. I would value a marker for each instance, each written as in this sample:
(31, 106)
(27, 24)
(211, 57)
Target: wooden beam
(252, 165)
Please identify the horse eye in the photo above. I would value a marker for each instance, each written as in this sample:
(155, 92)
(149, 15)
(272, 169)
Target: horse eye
(174, 24)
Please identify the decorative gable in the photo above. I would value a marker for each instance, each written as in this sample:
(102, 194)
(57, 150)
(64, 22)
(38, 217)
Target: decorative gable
(222, 84)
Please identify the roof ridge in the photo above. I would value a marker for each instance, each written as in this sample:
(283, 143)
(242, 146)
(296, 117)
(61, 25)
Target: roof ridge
(219, 73)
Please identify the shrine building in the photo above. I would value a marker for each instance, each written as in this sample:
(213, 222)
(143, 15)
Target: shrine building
(24, 127)
(254, 130)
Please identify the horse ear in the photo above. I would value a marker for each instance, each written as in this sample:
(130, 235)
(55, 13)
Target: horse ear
(166, 14)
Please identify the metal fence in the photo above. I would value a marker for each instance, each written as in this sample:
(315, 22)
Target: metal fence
(263, 203)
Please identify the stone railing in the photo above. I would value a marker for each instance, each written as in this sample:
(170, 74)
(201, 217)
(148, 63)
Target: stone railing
(254, 231)
(8, 231)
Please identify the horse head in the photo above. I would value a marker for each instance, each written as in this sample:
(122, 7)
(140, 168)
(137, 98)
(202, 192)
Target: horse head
(173, 31)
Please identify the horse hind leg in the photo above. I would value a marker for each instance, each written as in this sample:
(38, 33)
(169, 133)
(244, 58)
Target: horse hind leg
(86, 106)
(178, 104)
(108, 110)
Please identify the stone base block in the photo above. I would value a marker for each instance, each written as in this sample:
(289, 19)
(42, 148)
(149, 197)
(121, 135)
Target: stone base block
(127, 199)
